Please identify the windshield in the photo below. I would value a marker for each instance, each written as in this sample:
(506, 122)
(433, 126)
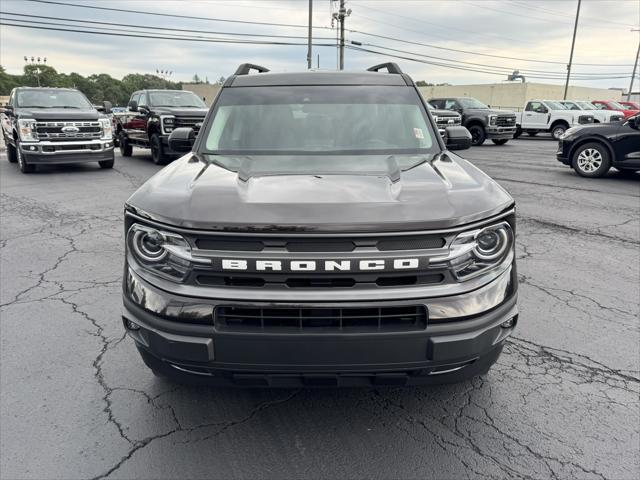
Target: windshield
(472, 103)
(587, 106)
(51, 98)
(571, 106)
(555, 105)
(172, 98)
(616, 106)
(318, 121)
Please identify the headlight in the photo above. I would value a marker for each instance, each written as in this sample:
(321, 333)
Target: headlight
(163, 253)
(478, 251)
(27, 130)
(493, 119)
(107, 129)
(569, 132)
(168, 123)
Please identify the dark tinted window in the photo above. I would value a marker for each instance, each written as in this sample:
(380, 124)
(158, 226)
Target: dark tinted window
(51, 98)
(320, 120)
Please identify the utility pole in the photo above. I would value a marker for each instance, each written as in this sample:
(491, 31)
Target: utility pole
(309, 37)
(341, 14)
(635, 68)
(573, 43)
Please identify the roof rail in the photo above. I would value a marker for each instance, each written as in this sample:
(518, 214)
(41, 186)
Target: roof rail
(390, 66)
(245, 68)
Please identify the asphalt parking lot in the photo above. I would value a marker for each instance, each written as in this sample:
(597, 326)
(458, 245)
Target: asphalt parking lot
(563, 401)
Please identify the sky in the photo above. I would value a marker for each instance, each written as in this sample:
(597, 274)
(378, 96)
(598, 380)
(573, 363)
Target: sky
(467, 34)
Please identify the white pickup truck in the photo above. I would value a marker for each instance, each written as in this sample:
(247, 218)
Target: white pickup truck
(549, 116)
(599, 116)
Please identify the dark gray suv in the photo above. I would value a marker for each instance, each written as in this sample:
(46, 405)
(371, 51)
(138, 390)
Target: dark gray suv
(319, 232)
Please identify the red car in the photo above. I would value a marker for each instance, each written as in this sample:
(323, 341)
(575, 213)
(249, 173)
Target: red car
(612, 105)
(630, 105)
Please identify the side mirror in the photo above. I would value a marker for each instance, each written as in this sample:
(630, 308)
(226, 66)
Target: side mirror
(106, 106)
(458, 138)
(7, 109)
(133, 106)
(181, 139)
(634, 122)
(143, 110)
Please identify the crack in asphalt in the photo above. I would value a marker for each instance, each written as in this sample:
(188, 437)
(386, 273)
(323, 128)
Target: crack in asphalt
(223, 427)
(558, 227)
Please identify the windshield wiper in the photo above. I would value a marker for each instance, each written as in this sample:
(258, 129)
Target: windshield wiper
(63, 106)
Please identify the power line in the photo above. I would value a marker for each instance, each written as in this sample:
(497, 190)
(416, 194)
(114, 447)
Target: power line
(156, 28)
(327, 28)
(111, 9)
(188, 39)
(553, 12)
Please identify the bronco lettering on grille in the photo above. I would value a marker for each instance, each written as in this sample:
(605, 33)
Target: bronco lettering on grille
(324, 265)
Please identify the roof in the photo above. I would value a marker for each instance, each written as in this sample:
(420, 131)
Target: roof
(314, 77)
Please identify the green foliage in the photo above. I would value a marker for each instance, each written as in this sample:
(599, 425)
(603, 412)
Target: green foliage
(97, 87)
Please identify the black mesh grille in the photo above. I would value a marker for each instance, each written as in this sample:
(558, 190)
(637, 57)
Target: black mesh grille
(323, 319)
(585, 119)
(411, 243)
(506, 121)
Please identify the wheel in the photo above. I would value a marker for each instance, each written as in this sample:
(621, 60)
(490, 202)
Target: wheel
(106, 163)
(591, 160)
(24, 166)
(500, 141)
(126, 150)
(11, 153)
(532, 134)
(518, 132)
(477, 135)
(157, 152)
(558, 130)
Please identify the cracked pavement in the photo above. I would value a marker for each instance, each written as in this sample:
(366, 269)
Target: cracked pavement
(563, 401)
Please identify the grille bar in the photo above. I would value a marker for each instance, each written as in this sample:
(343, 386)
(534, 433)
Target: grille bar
(322, 319)
(53, 130)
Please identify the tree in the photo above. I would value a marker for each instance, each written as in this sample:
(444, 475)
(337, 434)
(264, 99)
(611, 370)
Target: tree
(7, 82)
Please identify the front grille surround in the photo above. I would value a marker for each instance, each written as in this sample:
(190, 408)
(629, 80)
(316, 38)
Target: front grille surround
(506, 121)
(53, 130)
(188, 122)
(584, 119)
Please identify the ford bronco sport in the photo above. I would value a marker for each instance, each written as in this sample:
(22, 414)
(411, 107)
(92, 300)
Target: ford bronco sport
(319, 232)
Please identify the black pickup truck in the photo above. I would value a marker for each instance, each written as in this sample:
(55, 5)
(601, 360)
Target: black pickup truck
(481, 121)
(49, 126)
(320, 232)
(151, 117)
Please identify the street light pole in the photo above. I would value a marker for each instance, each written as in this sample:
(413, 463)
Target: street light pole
(635, 68)
(573, 43)
(309, 39)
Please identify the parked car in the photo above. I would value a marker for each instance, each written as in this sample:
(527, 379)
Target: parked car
(319, 232)
(599, 116)
(612, 105)
(151, 117)
(481, 121)
(549, 116)
(593, 149)
(49, 126)
(629, 105)
(444, 119)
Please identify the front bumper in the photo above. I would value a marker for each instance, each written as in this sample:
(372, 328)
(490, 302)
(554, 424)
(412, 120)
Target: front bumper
(81, 151)
(563, 153)
(454, 349)
(500, 133)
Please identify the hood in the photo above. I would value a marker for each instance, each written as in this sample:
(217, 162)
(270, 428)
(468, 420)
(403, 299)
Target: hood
(182, 111)
(487, 111)
(59, 113)
(443, 113)
(441, 193)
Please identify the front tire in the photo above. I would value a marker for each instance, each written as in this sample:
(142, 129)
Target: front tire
(126, 150)
(500, 141)
(22, 163)
(591, 160)
(106, 163)
(477, 135)
(558, 130)
(157, 152)
(11, 153)
(517, 133)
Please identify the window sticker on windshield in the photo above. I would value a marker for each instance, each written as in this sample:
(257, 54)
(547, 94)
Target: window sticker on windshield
(418, 133)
